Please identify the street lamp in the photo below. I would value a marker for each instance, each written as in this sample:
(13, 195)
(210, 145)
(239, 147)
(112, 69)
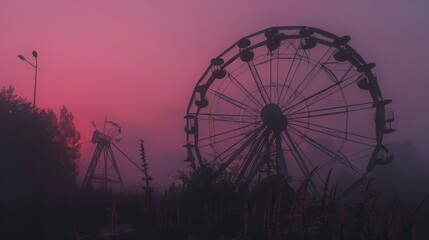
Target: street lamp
(34, 53)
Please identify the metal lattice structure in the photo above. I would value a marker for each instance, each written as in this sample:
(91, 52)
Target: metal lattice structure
(287, 100)
(103, 171)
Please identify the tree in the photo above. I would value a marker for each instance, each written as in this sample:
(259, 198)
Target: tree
(38, 151)
(68, 140)
(38, 154)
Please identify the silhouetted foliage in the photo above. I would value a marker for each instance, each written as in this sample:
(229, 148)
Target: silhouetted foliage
(38, 150)
(205, 205)
(204, 184)
(37, 169)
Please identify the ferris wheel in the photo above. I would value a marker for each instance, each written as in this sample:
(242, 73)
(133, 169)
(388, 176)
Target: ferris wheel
(291, 101)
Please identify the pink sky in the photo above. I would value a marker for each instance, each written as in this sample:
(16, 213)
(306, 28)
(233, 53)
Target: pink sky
(137, 62)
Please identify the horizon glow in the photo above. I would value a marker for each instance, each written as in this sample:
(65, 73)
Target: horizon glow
(136, 63)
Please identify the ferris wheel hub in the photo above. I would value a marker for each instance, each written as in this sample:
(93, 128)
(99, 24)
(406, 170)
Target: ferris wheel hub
(273, 117)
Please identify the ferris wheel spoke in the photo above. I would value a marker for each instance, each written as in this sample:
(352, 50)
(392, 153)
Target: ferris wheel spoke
(269, 141)
(286, 45)
(330, 130)
(360, 153)
(341, 158)
(226, 140)
(256, 77)
(234, 102)
(319, 167)
(225, 119)
(228, 131)
(305, 157)
(251, 158)
(295, 70)
(286, 78)
(271, 77)
(335, 157)
(258, 164)
(232, 138)
(324, 93)
(345, 107)
(226, 115)
(223, 140)
(344, 138)
(310, 97)
(331, 113)
(292, 97)
(322, 96)
(227, 151)
(277, 73)
(248, 138)
(301, 152)
(298, 159)
(244, 90)
(354, 77)
(298, 93)
(256, 167)
(293, 146)
(280, 156)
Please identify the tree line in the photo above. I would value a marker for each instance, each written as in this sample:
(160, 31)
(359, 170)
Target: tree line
(38, 153)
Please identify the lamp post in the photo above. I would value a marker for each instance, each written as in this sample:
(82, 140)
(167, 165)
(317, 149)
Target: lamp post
(34, 53)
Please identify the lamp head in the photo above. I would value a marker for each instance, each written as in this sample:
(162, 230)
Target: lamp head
(34, 54)
(21, 57)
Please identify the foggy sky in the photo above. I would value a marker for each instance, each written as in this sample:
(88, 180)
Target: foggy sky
(137, 62)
